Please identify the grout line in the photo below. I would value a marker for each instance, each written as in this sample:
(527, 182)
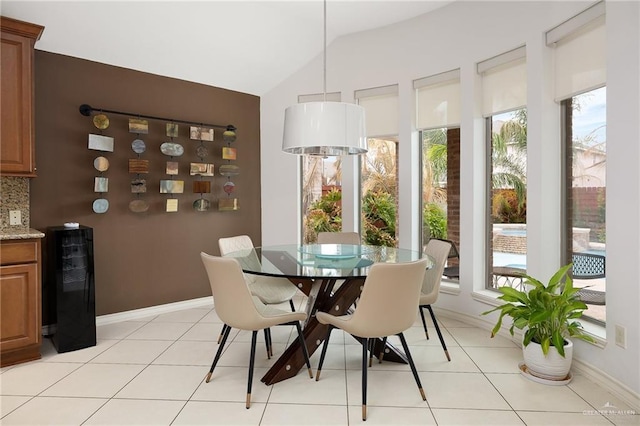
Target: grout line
(232, 339)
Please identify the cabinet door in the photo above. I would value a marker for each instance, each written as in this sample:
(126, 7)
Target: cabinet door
(19, 306)
(16, 97)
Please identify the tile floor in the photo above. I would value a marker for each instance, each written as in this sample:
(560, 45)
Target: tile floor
(151, 372)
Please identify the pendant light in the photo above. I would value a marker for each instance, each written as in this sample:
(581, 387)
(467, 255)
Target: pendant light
(324, 128)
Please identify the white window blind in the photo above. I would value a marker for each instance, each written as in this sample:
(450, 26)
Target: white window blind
(438, 100)
(504, 82)
(579, 53)
(381, 110)
(319, 97)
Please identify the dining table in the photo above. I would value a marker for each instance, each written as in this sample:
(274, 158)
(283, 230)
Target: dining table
(332, 277)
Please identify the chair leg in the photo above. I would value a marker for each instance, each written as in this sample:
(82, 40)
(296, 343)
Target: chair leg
(252, 359)
(293, 308)
(226, 329)
(371, 346)
(304, 349)
(365, 344)
(424, 323)
(267, 342)
(324, 352)
(435, 323)
(384, 345)
(412, 365)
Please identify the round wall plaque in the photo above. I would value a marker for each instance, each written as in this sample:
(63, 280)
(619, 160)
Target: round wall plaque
(101, 121)
(202, 151)
(101, 205)
(229, 187)
(101, 164)
(201, 204)
(138, 146)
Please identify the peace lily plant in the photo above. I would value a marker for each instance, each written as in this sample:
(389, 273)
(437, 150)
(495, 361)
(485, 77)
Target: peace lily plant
(547, 314)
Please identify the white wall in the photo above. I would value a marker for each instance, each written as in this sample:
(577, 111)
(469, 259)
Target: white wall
(458, 36)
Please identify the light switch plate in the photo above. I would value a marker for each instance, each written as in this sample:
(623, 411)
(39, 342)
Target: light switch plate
(15, 217)
(621, 336)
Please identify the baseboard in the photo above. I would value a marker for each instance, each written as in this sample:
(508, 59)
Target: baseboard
(48, 330)
(617, 388)
(611, 384)
(153, 310)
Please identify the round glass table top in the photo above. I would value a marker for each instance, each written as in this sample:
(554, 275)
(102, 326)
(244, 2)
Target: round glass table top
(320, 260)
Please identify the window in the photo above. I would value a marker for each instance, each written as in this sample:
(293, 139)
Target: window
(440, 186)
(504, 89)
(321, 187)
(321, 196)
(585, 147)
(438, 114)
(579, 55)
(380, 193)
(379, 172)
(507, 237)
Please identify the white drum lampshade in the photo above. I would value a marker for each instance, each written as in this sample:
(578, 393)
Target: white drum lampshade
(325, 129)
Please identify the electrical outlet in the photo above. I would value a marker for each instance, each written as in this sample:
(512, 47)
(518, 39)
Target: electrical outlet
(15, 217)
(621, 336)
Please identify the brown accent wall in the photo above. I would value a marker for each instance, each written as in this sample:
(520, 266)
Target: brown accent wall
(152, 258)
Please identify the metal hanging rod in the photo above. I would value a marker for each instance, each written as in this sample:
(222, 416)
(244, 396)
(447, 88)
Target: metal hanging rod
(86, 110)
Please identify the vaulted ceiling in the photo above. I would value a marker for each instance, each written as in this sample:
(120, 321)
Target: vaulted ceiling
(246, 46)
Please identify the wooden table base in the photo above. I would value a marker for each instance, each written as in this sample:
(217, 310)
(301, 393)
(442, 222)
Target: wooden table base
(336, 303)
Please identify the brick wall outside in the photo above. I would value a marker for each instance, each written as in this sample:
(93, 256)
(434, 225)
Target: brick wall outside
(588, 210)
(453, 189)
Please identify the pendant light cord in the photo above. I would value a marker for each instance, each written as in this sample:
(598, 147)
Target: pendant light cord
(324, 82)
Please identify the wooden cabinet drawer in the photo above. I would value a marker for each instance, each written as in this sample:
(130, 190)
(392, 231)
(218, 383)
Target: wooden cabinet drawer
(19, 251)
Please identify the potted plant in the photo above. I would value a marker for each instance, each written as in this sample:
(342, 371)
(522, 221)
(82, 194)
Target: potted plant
(547, 314)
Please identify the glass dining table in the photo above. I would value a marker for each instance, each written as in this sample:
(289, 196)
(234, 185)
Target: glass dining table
(316, 269)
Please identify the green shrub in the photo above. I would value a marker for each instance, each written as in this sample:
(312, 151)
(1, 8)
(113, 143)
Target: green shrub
(379, 210)
(324, 215)
(434, 218)
(506, 208)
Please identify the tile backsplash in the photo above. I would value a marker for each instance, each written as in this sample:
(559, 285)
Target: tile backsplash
(14, 195)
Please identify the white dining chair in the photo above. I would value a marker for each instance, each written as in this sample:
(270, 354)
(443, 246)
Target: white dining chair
(439, 251)
(339, 238)
(387, 307)
(237, 308)
(270, 290)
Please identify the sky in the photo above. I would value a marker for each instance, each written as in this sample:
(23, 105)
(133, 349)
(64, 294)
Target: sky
(592, 115)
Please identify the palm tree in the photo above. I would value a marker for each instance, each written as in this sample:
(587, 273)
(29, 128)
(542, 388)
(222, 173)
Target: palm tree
(311, 180)
(508, 156)
(434, 166)
(379, 170)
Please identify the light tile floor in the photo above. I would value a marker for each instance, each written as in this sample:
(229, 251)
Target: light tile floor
(151, 372)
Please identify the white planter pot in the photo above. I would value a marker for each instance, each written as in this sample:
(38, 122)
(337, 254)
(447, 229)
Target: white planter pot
(553, 366)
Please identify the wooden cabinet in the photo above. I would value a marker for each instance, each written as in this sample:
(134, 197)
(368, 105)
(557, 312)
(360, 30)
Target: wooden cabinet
(20, 301)
(17, 156)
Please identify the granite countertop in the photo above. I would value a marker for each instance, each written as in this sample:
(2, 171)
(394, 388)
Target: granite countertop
(20, 234)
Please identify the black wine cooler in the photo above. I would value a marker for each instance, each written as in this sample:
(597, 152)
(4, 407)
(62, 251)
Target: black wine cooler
(71, 287)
